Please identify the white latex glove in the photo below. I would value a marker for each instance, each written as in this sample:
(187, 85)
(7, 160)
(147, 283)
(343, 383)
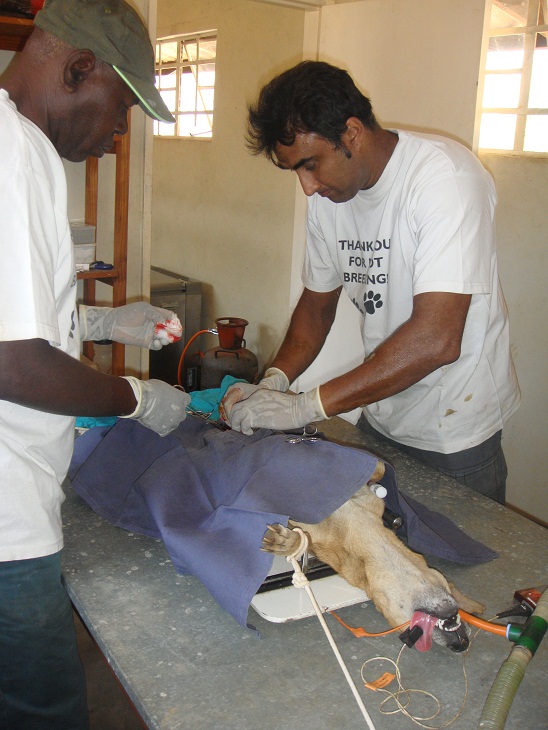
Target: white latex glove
(138, 324)
(160, 406)
(275, 410)
(274, 379)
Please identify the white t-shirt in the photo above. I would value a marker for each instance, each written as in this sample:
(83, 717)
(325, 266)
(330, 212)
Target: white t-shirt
(427, 225)
(37, 300)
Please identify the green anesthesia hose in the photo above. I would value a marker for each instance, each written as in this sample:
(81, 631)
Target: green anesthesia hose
(512, 671)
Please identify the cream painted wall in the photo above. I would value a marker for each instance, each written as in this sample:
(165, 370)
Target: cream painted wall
(522, 233)
(417, 61)
(219, 214)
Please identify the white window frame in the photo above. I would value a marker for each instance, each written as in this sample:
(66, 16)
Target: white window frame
(180, 67)
(522, 111)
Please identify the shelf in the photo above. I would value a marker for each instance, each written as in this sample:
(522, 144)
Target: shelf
(14, 32)
(99, 274)
(114, 277)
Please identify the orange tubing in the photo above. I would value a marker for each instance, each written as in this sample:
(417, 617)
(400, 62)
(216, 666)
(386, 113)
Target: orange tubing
(481, 624)
(181, 359)
(360, 632)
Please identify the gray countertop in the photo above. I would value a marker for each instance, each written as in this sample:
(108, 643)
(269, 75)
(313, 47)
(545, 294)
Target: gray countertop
(185, 663)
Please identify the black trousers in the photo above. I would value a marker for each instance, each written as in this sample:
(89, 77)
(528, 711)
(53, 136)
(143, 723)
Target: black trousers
(42, 682)
(482, 468)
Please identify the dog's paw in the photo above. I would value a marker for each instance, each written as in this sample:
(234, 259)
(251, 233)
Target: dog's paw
(467, 604)
(280, 540)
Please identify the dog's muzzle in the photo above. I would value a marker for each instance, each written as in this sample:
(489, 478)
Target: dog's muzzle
(455, 633)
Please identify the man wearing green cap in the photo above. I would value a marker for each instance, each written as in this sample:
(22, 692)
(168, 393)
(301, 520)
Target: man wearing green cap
(67, 94)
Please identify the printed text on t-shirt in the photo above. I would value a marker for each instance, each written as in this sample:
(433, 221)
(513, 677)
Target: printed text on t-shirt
(368, 266)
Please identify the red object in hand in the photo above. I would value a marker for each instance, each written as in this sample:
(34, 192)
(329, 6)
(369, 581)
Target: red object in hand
(168, 331)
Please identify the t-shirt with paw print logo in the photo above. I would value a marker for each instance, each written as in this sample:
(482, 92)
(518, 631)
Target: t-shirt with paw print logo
(427, 225)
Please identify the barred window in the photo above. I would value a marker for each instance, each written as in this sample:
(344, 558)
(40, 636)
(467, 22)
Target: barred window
(514, 110)
(185, 78)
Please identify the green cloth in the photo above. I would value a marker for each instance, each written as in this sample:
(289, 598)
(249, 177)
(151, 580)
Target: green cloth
(89, 422)
(207, 401)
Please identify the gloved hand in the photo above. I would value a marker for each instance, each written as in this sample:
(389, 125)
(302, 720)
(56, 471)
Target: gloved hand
(138, 324)
(275, 410)
(274, 379)
(160, 406)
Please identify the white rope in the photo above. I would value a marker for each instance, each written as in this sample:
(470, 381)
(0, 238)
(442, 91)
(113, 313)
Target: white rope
(400, 707)
(301, 581)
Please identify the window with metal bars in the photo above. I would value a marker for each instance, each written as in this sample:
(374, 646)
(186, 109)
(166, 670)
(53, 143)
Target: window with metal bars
(514, 113)
(185, 78)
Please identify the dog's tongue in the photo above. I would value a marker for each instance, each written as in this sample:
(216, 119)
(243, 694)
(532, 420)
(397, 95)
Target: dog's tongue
(426, 623)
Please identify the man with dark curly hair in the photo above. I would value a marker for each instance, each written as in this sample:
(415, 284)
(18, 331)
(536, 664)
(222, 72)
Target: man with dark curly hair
(404, 223)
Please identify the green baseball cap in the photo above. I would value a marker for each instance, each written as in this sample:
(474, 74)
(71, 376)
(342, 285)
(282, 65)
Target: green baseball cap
(115, 33)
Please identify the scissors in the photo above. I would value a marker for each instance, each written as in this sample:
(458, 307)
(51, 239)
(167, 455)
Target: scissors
(309, 436)
(302, 439)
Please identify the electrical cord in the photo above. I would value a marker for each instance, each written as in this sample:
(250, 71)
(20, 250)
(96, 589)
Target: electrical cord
(380, 684)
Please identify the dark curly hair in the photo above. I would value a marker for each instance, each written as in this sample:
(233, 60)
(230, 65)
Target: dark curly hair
(313, 96)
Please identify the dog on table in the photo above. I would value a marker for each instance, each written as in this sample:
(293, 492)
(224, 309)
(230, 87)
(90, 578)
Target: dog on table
(355, 543)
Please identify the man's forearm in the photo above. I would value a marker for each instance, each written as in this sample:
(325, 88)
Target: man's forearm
(295, 356)
(310, 324)
(36, 375)
(430, 339)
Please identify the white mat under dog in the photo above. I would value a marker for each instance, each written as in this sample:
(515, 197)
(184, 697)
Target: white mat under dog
(281, 605)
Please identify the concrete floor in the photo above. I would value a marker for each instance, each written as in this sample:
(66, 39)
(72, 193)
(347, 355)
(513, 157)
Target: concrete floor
(109, 706)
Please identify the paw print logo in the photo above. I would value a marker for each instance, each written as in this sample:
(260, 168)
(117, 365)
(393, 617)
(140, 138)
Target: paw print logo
(371, 302)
